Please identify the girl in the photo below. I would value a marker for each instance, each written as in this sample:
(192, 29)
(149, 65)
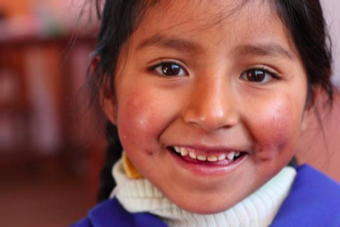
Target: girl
(208, 100)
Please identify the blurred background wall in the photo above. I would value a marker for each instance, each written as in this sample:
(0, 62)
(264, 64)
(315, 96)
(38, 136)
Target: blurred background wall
(320, 145)
(51, 148)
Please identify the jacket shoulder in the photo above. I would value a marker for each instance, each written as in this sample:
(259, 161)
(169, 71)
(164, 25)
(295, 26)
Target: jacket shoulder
(112, 213)
(314, 200)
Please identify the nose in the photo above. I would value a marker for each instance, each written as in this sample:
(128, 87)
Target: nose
(212, 105)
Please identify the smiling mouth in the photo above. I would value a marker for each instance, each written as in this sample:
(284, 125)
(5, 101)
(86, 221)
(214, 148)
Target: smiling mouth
(201, 157)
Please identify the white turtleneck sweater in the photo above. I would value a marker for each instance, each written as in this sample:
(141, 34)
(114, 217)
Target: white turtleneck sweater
(257, 210)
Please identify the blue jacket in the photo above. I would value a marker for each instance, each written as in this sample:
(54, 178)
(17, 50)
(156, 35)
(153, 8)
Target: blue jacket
(314, 200)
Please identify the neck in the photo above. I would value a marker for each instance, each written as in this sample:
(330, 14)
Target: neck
(258, 209)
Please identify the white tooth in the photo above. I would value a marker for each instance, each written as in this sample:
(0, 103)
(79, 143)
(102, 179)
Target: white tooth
(201, 157)
(212, 158)
(221, 157)
(177, 149)
(192, 155)
(231, 155)
(237, 154)
(184, 152)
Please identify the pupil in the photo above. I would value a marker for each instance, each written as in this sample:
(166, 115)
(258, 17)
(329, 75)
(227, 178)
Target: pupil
(256, 75)
(170, 69)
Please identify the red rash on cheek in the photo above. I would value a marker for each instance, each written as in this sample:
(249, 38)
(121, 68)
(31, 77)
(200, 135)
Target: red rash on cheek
(276, 129)
(133, 116)
(139, 119)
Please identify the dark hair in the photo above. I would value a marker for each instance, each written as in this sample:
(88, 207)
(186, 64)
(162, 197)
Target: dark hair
(303, 20)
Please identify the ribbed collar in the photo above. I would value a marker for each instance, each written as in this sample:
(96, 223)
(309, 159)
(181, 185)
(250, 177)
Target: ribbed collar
(258, 209)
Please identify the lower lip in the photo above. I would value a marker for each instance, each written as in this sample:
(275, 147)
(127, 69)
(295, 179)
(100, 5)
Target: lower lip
(209, 168)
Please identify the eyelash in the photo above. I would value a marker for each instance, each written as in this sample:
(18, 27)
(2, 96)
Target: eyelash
(262, 71)
(181, 71)
(160, 71)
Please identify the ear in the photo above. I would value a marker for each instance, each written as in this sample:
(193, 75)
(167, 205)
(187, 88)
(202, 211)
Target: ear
(108, 102)
(110, 109)
(106, 98)
(311, 105)
(307, 118)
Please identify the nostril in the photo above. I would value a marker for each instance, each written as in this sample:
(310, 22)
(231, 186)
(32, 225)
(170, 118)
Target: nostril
(211, 120)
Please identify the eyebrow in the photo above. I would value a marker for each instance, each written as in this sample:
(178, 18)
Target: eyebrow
(170, 43)
(271, 49)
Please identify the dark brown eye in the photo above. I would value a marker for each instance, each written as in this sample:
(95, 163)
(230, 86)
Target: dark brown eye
(170, 69)
(258, 75)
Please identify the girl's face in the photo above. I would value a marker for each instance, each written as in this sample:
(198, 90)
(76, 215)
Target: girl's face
(212, 80)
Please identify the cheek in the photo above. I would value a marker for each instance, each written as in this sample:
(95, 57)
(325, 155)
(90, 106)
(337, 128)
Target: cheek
(276, 127)
(141, 118)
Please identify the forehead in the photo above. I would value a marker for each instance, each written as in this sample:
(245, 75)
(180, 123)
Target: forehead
(210, 22)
